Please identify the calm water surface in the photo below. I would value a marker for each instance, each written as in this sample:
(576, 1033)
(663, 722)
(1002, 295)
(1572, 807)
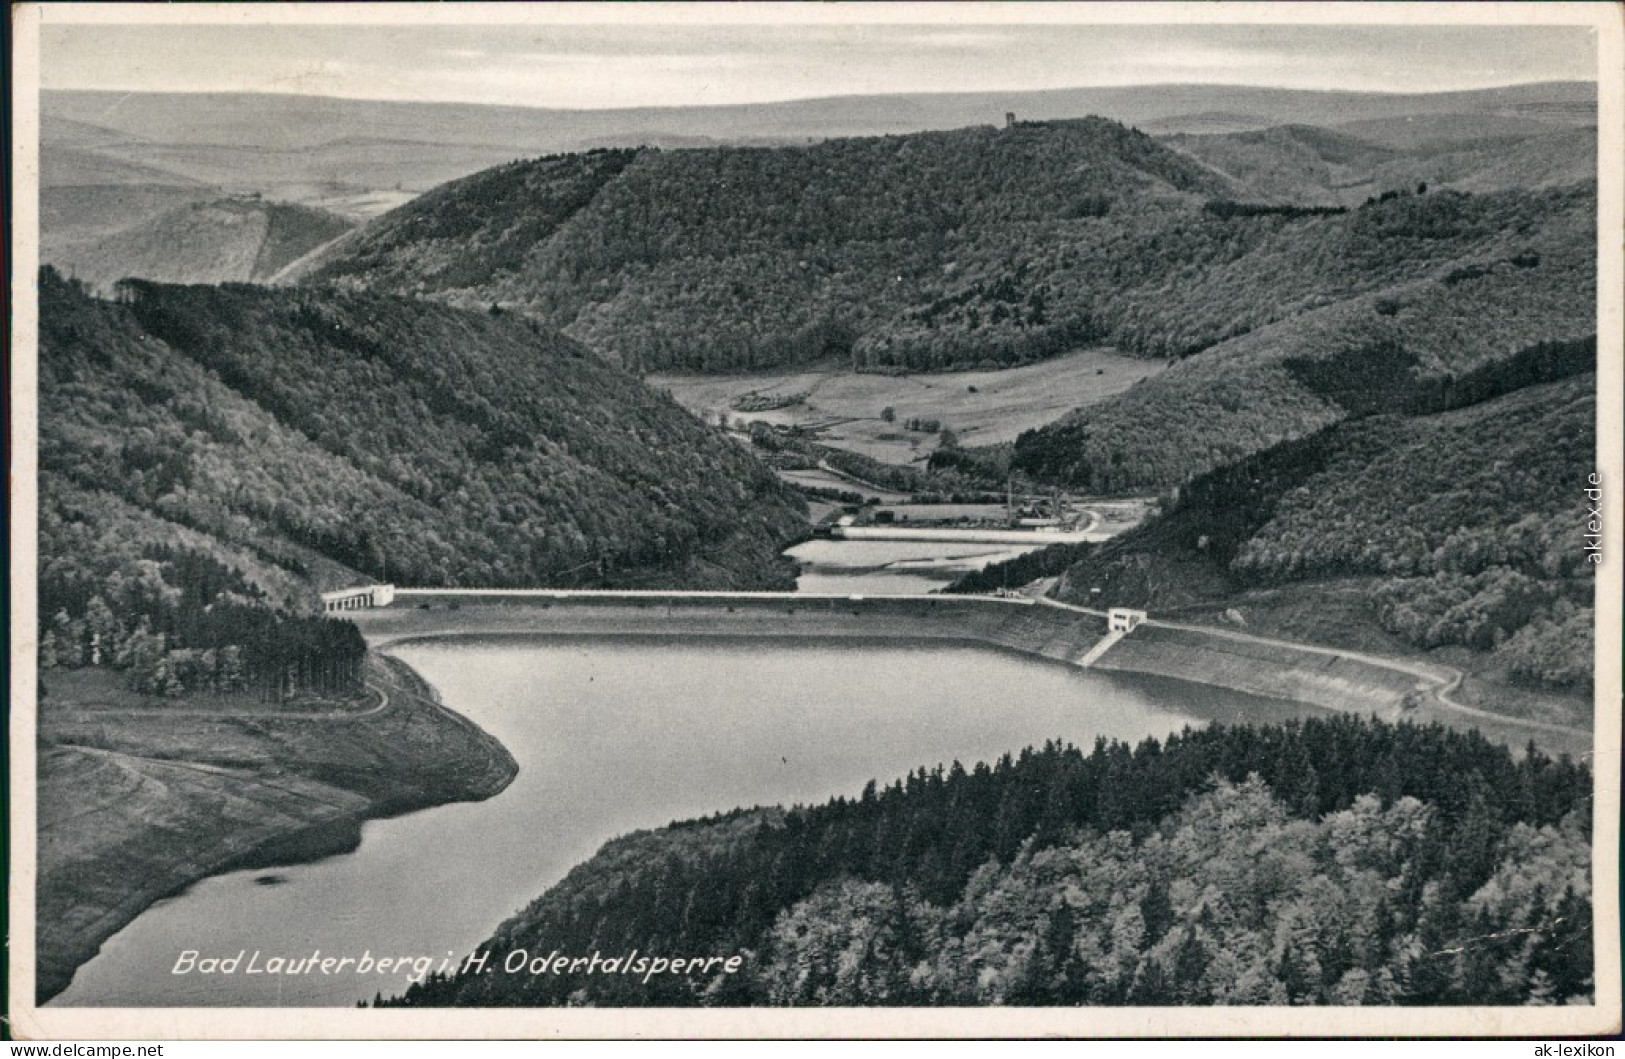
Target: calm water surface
(881, 568)
(613, 735)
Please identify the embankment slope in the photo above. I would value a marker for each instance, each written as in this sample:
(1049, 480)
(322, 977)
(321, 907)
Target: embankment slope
(135, 805)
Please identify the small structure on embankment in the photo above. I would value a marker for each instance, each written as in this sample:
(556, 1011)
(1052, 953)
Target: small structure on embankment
(1122, 619)
(358, 598)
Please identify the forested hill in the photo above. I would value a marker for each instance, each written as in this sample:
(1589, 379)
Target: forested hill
(302, 439)
(977, 247)
(1462, 526)
(747, 257)
(1336, 861)
(1435, 287)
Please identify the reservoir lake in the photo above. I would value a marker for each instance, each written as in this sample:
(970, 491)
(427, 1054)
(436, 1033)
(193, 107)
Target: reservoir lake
(618, 733)
(613, 735)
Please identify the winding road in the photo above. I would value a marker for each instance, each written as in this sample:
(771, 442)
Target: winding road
(1443, 680)
(87, 712)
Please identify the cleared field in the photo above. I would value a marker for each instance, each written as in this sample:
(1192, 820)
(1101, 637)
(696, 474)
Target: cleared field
(981, 407)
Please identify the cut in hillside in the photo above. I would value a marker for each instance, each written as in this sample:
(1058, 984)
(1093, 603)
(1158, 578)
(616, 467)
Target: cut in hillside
(1466, 523)
(226, 240)
(306, 439)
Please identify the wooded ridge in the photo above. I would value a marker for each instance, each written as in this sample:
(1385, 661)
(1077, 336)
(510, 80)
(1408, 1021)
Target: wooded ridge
(1335, 861)
(209, 449)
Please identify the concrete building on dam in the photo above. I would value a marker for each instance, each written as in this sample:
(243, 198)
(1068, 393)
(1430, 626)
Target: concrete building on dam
(358, 598)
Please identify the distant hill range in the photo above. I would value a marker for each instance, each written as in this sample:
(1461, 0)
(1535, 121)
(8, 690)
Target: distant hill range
(1285, 268)
(112, 161)
(359, 157)
(216, 241)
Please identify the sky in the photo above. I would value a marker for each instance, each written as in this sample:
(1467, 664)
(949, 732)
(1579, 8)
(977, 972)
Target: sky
(696, 63)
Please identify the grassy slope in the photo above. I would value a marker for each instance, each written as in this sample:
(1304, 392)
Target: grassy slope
(1290, 163)
(208, 242)
(144, 444)
(705, 260)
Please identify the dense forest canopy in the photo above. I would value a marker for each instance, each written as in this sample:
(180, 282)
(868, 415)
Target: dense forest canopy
(1531, 280)
(1336, 861)
(977, 247)
(206, 450)
(988, 247)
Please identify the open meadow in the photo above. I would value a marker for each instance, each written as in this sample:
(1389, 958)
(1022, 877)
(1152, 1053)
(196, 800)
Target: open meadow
(980, 407)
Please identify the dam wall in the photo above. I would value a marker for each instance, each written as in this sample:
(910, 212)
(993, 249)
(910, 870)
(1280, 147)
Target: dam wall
(1271, 670)
(1317, 676)
(1015, 624)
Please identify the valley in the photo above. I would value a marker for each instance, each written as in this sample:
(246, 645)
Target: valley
(1308, 378)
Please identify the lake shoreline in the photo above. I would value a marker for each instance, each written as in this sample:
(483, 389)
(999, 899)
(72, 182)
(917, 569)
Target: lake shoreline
(309, 799)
